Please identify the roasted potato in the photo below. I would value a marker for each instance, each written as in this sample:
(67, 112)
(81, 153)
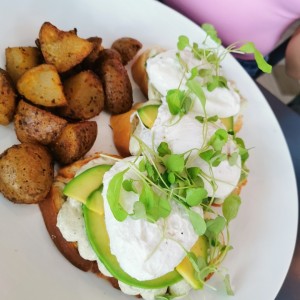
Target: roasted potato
(85, 96)
(36, 125)
(7, 98)
(127, 47)
(93, 56)
(21, 59)
(63, 49)
(42, 86)
(26, 173)
(74, 142)
(116, 83)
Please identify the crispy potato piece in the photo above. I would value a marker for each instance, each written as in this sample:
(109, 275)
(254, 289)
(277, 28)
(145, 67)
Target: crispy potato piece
(21, 59)
(36, 125)
(127, 47)
(42, 86)
(26, 173)
(74, 142)
(63, 49)
(94, 55)
(122, 130)
(85, 96)
(7, 98)
(117, 85)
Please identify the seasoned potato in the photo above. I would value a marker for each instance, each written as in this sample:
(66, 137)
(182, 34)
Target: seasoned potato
(122, 130)
(85, 96)
(127, 47)
(42, 86)
(74, 142)
(93, 56)
(117, 85)
(21, 59)
(26, 173)
(36, 125)
(7, 98)
(63, 49)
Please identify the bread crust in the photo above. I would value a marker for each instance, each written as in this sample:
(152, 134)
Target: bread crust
(50, 207)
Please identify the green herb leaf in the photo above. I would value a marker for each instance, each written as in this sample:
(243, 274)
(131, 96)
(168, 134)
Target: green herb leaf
(197, 221)
(175, 163)
(175, 100)
(207, 155)
(215, 227)
(196, 88)
(164, 207)
(259, 58)
(139, 211)
(211, 32)
(231, 207)
(183, 42)
(171, 177)
(113, 196)
(219, 139)
(242, 150)
(200, 119)
(195, 196)
(232, 159)
(128, 186)
(163, 149)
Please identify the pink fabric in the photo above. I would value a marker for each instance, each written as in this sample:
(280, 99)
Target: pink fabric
(260, 21)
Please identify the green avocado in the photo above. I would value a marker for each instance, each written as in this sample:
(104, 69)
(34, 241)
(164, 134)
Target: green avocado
(99, 239)
(81, 186)
(148, 114)
(228, 123)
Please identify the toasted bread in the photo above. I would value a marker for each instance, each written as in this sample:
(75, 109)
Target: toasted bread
(50, 208)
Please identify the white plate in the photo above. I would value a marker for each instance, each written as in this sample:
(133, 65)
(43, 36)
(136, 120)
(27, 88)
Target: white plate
(264, 234)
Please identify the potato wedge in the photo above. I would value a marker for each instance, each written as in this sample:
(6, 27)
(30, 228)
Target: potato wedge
(122, 130)
(85, 96)
(7, 98)
(26, 173)
(127, 47)
(94, 55)
(63, 49)
(117, 85)
(36, 125)
(42, 86)
(74, 142)
(21, 59)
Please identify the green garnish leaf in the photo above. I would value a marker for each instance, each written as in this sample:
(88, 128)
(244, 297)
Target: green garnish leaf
(194, 172)
(164, 207)
(242, 150)
(232, 159)
(142, 165)
(231, 206)
(207, 155)
(175, 99)
(128, 186)
(200, 119)
(259, 58)
(215, 227)
(219, 139)
(166, 297)
(211, 32)
(171, 177)
(213, 118)
(139, 211)
(197, 221)
(195, 196)
(195, 86)
(163, 149)
(175, 163)
(183, 42)
(113, 196)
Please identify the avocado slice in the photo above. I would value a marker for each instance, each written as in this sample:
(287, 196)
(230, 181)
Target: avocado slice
(185, 268)
(95, 202)
(148, 114)
(228, 123)
(81, 186)
(99, 239)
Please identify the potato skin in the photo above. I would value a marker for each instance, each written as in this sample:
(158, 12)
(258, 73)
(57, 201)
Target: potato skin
(36, 125)
(127, 47)
(8, 98)
(74, 142)
(85, 96)
(26, 173)
(116, 82)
